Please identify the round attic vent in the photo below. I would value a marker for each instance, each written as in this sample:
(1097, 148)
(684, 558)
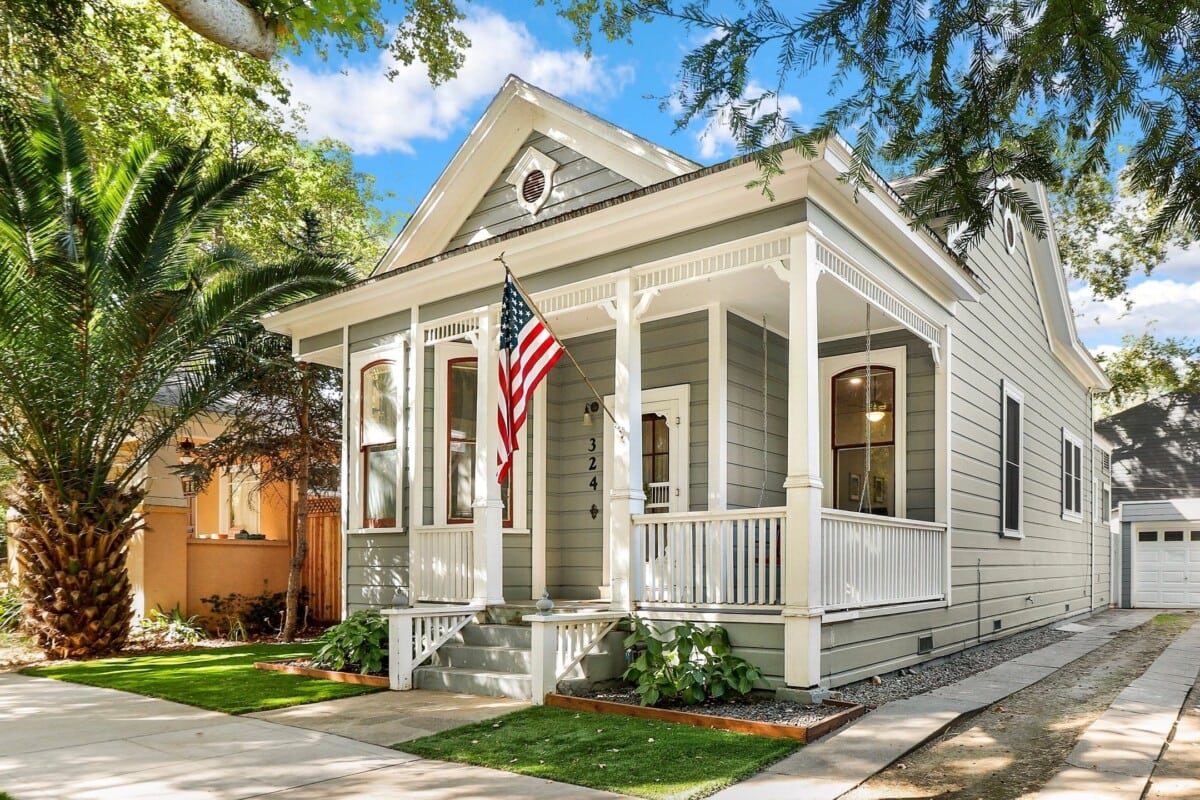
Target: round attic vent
(1010, 232)
(533, 186)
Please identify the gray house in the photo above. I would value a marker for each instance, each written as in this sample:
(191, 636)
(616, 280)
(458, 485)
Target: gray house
(851, 448)
(1156, 490)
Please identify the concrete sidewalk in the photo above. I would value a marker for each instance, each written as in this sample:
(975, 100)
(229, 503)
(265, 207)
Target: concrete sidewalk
(841, 761)
(62, 740)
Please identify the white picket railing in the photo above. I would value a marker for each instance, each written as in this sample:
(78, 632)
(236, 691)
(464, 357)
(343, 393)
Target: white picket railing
(561, 641)
(869, 560)
(710, 558)
(658, 497)
(415, 634)
(442, 564)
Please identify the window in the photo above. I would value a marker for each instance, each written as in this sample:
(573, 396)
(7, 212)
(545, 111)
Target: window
(462, 392)
(379, 455)
(1012, 460)
(1172, 536)
(854, 413)
(1148, 536)
(1010, 231)
(241, 501)
(1072, 476)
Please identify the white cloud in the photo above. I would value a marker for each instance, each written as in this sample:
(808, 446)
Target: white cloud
(716, 140)
(361, 107)
(1169, 307)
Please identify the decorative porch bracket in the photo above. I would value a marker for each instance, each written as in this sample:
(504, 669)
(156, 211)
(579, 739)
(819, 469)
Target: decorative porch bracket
(561, 641)
(415, 634)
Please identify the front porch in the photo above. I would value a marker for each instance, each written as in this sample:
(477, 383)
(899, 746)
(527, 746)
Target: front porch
(724, 484)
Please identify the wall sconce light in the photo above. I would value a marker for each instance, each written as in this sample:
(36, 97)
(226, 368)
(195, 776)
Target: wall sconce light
(186, 450)
(589, 408)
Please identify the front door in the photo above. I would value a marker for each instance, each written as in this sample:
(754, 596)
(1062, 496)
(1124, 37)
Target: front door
(664, 456)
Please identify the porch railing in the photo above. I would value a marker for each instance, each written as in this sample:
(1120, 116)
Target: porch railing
(869, 560)
(442, 564)
(710, 558)
(415, 634)
(658, 497)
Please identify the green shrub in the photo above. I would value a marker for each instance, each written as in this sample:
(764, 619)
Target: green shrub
(694, 665)
(159, 628)
(10, 608)
(357, 644)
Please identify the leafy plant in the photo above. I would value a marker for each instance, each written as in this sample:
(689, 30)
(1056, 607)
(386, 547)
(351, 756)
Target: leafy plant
(694, 665)
(359, 641)
(162, 628)
(10, 609)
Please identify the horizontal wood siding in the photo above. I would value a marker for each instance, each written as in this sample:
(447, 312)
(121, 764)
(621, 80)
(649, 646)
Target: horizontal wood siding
(760, 643)
(518, 567)
(748, 485)
(919, 415)
(376, 566)
(577, 182)
(674, 351)
(1022, 583)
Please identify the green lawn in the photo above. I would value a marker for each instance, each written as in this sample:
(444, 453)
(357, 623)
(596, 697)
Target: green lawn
(604, 751)
(221, 679)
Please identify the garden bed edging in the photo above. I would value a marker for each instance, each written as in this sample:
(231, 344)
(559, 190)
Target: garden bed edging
(798, 733)
(325, 674)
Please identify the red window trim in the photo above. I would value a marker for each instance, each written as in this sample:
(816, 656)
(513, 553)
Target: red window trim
(833, 418)
(364, 449)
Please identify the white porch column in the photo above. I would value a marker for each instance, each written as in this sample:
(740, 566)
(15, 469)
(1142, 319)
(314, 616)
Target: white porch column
(489, 507)
(802, 551)
(627, 496)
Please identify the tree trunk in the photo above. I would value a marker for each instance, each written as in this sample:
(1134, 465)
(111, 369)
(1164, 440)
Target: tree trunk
(71, 555)
(301, 551)
(229, 23)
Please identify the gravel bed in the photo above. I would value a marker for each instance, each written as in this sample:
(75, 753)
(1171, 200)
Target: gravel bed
(934, 675)
(754, 708)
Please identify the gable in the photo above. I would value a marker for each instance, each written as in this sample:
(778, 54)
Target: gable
(468, 202)
(577, 182)
(1156, 448)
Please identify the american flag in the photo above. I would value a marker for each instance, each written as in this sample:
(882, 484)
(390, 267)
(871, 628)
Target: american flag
(527, 352)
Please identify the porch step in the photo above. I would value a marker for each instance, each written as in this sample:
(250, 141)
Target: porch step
(493, 659)
(495, 635)
(474, 681)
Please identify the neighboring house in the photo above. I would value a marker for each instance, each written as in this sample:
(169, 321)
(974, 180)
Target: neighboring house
(730, 335)
(1156, 491)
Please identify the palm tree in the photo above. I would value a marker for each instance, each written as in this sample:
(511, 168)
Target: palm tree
(115, 290)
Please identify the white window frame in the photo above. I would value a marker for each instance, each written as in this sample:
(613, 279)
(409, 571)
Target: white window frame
(1010, 392)
(394, 352)
(443, 354)
(895, 358)
(1069, 512)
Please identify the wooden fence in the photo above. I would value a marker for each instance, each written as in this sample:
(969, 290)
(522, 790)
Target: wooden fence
(322, 572)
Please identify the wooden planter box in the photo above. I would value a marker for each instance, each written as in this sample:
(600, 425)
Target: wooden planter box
(325, 674)
(797, 732)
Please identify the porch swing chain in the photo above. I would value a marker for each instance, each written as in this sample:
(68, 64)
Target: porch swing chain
(868, 392)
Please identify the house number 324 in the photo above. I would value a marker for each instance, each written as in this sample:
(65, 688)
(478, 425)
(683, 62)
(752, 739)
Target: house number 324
(592, 463)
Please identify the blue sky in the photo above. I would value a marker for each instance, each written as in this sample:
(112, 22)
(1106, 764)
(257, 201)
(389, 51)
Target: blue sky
(403, 131)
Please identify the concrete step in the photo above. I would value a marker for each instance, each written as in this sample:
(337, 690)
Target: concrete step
(473, 681)
(492, 659)
(514, 636)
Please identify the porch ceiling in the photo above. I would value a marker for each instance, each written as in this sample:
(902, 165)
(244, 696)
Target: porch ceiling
(753, 293)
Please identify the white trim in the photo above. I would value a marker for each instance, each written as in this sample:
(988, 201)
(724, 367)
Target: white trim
(415, 414)
(881, 611)
(943, 449)
(533, 160)
(344, 471)
(394, 352)
(538, 542)
(896, 358)
(443, 352)
(677, 614)
(1070, 514)
(1008, 390)
(718, 407)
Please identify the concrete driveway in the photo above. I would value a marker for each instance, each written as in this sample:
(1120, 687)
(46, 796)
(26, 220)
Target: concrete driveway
(61, 740)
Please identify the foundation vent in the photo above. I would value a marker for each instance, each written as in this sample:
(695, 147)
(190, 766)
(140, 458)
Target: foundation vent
(924, 645)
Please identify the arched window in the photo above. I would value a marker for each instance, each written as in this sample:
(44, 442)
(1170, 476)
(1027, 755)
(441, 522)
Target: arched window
(855, 411)
(379, 420)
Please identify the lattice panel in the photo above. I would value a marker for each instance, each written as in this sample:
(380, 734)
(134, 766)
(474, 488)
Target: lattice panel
(682, 271)
(856, 279)
(451, 328)
(576, 297)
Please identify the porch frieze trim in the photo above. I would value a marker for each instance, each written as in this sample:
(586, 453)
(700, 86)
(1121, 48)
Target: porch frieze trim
(446, 329)
(695, 267)
(842, 267)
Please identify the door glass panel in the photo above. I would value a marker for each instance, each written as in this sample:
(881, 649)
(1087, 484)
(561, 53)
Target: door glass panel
(462, 481)
(656, 463)
(873, 493)
(850, 407)
(379, 490)
(855, 412)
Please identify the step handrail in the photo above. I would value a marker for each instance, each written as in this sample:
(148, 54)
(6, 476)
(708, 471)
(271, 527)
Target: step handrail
(415, 634)
(559, 641)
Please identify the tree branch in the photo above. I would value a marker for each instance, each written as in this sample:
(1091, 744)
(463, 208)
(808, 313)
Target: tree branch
(229, 23)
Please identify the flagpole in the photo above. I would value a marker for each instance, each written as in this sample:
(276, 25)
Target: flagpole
(533, 307)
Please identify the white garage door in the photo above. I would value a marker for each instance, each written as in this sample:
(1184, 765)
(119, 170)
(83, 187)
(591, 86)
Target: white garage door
(1166, 567)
